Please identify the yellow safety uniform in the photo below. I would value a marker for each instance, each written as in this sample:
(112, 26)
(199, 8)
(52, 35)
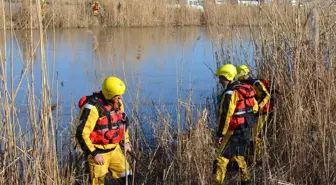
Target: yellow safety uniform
(95, 8)
(233, 145)
(263, 97)
(114, 159)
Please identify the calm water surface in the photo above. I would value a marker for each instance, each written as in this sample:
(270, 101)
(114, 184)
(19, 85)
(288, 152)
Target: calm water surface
(157, 64)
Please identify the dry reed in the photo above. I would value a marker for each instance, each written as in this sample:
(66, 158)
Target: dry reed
(78, 14)
(299, 142)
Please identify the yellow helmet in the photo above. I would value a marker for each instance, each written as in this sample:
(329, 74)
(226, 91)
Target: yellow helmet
(113, 86)
(242, 71)
(229, 71)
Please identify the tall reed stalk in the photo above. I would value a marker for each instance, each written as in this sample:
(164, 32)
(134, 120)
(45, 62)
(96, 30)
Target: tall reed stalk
(296, 55)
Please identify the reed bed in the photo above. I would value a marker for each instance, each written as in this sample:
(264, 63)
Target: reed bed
(297, 56)
(122, 13)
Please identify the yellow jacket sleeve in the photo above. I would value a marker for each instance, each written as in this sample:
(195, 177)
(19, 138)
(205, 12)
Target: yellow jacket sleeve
(126, 132)
(262, 93)
(87, 121)
(226, 110)
(255, 106)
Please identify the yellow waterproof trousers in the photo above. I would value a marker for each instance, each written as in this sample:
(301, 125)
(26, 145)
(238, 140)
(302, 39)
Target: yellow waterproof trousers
(222, 162)
(95, 12)
(114, 161)
(257, 128)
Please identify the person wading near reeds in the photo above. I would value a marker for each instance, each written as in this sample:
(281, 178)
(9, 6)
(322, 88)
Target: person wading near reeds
(263, 98)
(101, 131)
(235, 118)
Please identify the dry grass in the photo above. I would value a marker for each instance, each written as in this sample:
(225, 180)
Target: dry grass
(77, 14)
(298, 57)
(299, 143)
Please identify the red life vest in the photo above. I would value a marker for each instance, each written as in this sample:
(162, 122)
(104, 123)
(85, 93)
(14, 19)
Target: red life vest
(244, 107)
(111, 124)
(95, 6)
(268, 106)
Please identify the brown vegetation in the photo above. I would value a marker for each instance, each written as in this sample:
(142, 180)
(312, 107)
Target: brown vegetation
(78, 14)
(299, 142)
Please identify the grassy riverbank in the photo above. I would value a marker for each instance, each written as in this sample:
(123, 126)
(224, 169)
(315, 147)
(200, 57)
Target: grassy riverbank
(297, 56)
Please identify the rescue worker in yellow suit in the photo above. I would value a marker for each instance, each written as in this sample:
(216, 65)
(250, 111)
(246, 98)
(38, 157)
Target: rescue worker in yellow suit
(235, 118)
(102, 129)
(96, 8)
(263, 98)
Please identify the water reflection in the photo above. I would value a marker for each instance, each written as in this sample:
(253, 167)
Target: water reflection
(156, 63)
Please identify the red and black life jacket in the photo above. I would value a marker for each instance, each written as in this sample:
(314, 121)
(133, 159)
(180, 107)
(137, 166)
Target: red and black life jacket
(244, 108)
(111, 124)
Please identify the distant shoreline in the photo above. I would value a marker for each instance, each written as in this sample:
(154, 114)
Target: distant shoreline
(137, 14)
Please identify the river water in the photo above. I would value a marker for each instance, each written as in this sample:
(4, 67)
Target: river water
(157, 64)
